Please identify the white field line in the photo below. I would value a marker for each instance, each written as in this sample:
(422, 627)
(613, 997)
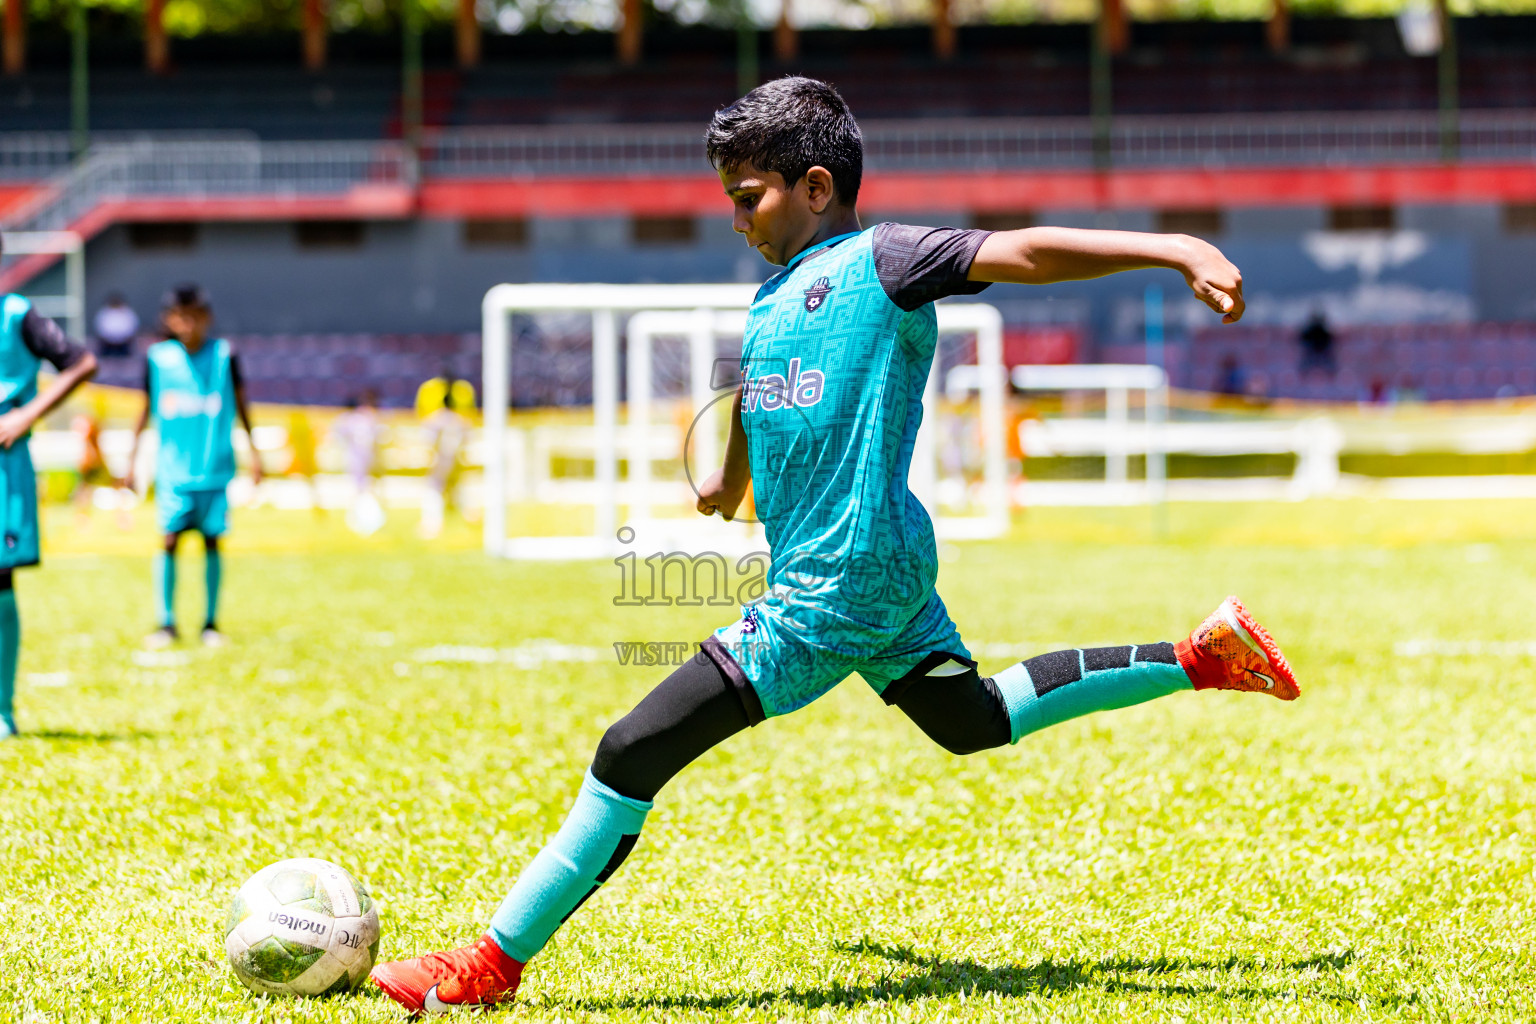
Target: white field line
(530, 655)
(160, 659)
(1465, 648)
(1003, 649)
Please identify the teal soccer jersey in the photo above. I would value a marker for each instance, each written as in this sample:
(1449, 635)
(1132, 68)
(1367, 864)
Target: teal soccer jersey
(26, 339)
(192, 396)
(835, 359)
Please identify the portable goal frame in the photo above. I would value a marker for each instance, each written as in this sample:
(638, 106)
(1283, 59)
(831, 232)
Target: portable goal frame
(700, 312)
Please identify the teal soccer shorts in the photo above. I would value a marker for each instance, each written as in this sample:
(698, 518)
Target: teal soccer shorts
(18, 508)
(207, 512)
(789, 668)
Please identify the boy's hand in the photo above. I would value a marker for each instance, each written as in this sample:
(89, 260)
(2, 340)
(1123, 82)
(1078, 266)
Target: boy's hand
(1214, 280)
(715, 495)
(127, 482)
(14, 426)
(257, 473)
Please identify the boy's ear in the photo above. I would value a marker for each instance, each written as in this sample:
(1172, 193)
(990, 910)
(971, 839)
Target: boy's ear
(819, 189)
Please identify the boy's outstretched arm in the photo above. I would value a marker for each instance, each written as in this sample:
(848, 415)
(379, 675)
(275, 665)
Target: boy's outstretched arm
(1047, 255)
(724, 489)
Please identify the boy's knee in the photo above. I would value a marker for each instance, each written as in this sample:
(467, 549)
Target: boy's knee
(615, 752)
(965, 747)
(962, 741)
(210, 544)
(963, 713)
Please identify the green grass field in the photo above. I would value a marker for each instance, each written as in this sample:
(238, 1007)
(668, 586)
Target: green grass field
(1364, 854)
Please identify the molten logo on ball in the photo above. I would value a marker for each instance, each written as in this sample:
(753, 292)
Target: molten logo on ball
(301, 928)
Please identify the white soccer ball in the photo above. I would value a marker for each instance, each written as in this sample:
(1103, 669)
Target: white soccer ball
(301, 927)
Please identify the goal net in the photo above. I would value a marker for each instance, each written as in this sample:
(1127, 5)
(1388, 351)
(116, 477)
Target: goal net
(621, 469)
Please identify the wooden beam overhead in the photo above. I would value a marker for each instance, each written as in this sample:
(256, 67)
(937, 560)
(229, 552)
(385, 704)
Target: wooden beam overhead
(1277, 31)
(15, 37)
(786, 39)
(467, 35)
(316, 34)
(1114, 27)
(630, 33)
(944, 41)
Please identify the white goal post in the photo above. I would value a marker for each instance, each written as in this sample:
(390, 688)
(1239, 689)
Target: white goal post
(702, 313)
(69, 306)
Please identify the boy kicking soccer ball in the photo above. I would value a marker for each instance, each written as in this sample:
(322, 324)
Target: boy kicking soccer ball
(26, 339)
(193, 389)
(837, 351)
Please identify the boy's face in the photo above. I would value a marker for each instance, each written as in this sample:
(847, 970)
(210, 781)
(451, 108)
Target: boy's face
(187, 324)
(778, 220)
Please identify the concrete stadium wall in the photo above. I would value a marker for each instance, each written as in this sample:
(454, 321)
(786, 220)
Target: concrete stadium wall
(1443, 263)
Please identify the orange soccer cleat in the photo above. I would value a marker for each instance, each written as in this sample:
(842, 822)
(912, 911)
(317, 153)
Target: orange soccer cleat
(1230, 651)
(460, 979)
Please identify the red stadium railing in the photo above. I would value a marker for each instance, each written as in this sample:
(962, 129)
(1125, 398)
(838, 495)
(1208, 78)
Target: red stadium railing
(977, 144)
(973, 164)
(931, 144)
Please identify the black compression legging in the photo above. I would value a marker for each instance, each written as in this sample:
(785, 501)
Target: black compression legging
(708, 700)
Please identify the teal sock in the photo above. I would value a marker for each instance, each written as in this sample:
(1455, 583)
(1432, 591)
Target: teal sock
(1052, 688)
(597, 835)
(10, 649)
(213, 571)
(165, 588)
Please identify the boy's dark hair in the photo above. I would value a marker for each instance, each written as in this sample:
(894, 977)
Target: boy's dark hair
(186, 296)
(790, 125)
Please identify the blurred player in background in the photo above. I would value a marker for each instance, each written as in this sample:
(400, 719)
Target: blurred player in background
(117, 327)
(837, 352)
(445, 432)
(91, 469)
(435, 393)
(193, 389)
(26, 340)
(360, 432)
(302, 461)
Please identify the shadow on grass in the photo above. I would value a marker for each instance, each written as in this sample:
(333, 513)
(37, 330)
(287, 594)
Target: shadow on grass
(62, 735)
(938, 977)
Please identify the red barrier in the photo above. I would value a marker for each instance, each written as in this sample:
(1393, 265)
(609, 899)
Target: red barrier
(1008, 191)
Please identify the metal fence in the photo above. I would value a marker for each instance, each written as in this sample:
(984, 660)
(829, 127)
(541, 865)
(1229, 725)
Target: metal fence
(244, 169)
(238, 165)
(1008, 144)
(33, 156)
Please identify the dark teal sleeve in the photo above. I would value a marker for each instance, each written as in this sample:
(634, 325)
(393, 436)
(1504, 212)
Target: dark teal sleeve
(48, 342)
(917, 265)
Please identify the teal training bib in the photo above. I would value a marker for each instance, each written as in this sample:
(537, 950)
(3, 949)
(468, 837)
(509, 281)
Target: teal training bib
(18, 484)
(18, 366)
(194, 407)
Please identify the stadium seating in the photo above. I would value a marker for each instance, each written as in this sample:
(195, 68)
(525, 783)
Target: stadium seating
(1372, 363)
(332, 369)
(1001, 71)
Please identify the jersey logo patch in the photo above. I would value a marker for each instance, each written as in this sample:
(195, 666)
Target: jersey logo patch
(816, 294)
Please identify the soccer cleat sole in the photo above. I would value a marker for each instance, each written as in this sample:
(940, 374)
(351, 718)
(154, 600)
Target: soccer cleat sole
(431, 1004)
(1259, 641)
